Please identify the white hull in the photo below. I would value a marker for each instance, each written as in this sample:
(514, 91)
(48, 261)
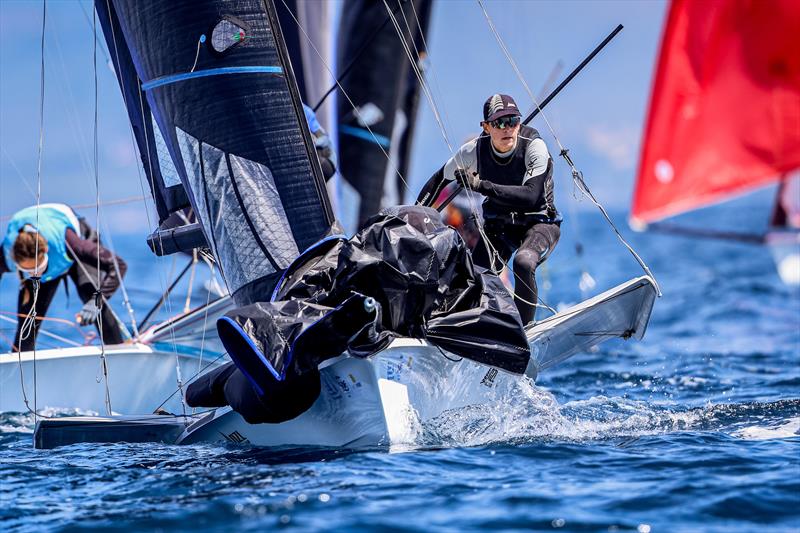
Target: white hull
(386, 399)
(140, 378)
(382, 400)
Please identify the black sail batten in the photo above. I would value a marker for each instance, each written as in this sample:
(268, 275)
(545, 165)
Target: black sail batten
(229, 112)
(167, 191)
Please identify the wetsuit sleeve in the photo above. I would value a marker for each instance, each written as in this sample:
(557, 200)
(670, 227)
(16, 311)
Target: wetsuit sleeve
(432, 188)
(523, 196)
(88, 252)
(465, 159)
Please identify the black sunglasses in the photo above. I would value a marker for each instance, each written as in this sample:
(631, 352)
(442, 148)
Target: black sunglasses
(505, 122)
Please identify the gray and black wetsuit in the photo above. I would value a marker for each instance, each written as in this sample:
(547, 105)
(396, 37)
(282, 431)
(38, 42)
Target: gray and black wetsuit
(519, 210)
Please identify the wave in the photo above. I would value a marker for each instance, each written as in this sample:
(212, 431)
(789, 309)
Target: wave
(532, 414)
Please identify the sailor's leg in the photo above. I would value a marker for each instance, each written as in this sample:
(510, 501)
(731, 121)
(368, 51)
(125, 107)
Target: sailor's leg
(84, 276)
(538, 243)
(25, 337)
(491, 254)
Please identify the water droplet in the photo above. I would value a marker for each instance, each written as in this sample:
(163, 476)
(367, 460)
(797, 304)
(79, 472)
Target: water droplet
(558, 522)
(324, 497)
(643, 528)
(285, 519)
(301, 498)
(238, 507)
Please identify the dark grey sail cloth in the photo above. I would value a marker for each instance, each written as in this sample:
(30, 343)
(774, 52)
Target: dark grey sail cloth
(221, 89)
(162, 178)
(377, 85)
(405, 274)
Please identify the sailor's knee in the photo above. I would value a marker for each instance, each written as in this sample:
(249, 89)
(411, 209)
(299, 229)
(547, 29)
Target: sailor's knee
(526, 260)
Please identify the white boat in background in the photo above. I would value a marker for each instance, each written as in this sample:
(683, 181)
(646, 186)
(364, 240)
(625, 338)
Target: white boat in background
(141, 375)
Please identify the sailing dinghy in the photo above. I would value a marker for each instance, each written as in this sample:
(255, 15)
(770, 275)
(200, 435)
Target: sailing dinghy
(141, 375)
(334, 341)
(722, 124)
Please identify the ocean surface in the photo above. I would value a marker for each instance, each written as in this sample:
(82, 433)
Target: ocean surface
(694, 428)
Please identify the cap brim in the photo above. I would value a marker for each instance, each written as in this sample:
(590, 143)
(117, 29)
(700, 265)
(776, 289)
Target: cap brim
(504, 113)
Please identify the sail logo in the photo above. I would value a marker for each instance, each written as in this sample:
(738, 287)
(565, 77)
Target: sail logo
(235, 437)
(488, 379)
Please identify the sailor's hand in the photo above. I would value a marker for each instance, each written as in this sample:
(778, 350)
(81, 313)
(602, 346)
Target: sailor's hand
(88, 314)
(468, 180)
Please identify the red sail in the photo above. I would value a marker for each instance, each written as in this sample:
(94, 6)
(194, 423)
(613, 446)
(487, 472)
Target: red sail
(725, 108)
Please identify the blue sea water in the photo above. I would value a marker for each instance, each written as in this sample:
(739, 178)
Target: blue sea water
(695, 428)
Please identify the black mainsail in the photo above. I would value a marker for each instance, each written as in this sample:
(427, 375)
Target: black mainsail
(221, 91)
(162, 177)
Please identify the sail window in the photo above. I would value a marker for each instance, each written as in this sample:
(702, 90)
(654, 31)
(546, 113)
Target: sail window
(228, 33)
(239, 205)
(169, 174)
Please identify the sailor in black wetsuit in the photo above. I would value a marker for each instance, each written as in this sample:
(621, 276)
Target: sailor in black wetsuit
(510, 165)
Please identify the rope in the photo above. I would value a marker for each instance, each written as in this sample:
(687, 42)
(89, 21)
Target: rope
(179, 389)
(126, 301)
(188, 304)
(200, 41)
(43, 332)
(29, 324)
(205, 324)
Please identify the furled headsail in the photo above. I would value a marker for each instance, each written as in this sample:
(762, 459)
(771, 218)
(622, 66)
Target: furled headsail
(384, 89)
(724, 109)
(217, 79)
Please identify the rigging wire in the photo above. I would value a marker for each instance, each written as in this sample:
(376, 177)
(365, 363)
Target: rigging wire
(98, 297)
(29, 323)
(62, 321)
(77, 125)
(344, 92)
(141, 181)
(126, 301)
(149, 159)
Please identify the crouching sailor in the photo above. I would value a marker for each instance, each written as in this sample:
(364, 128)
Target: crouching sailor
(510, 165)
(44, 245)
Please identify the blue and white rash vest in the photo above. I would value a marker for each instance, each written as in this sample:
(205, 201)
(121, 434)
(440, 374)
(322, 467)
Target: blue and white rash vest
(53, 222)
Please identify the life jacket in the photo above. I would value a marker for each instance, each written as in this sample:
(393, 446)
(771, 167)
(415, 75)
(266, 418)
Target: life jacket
(53, 222)
(511, 171)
